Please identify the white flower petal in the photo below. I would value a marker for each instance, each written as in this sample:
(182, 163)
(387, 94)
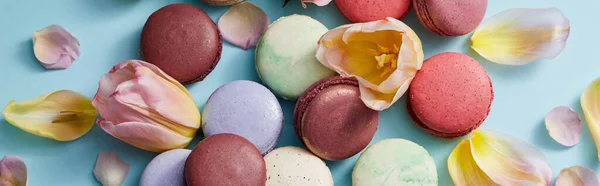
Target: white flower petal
(577, 176)
(110, 169)
(243, 25)
(55, 47)
(564, 125)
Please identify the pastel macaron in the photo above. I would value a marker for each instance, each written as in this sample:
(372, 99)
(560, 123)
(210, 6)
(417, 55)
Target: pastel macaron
(166, 169)
(183, 41)
(450, 96)
(225, 160)
(359, 11)
(295, 166)
(245, 108)
(332, 120)
(450, 18)
(285, 55)
(395, 162)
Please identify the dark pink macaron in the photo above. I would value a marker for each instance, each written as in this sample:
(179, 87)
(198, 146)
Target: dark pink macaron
(182, 41)
(359, 11)
(225, 160)
(450, 96)
(450, 18)
(332, 121)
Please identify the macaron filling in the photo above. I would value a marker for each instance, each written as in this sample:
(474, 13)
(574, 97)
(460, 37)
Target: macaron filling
(419, 123)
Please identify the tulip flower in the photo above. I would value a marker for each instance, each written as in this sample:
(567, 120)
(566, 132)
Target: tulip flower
(383, 55)
(143, 106)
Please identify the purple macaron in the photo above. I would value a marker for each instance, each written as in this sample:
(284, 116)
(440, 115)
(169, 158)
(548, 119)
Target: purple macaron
(166, 169)
(247, 109)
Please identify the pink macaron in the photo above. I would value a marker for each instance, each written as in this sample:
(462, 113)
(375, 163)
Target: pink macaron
(359, 11)
(450, 96)
(450, 18)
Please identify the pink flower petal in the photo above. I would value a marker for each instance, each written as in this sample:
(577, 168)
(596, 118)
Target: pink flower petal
(13, 171)
(317, 2)
(577, 176)
(55, 47)
(145, 136)
(564, 125)
(243, 25)
(110, 169)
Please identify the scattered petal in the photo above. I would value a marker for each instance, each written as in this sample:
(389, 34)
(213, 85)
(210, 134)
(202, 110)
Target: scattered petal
(222, 2)
(243, 25)
(564, 125)
(507, 160)
(110, 169)
(577, 176)
(62, 115)
(317, 2)
(463, 169)
(520, 36)
(590, 103)
(55, 47)
(13, 171)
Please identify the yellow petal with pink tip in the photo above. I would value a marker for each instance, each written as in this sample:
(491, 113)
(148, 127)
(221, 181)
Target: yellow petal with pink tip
(590, 103)
(463, 169)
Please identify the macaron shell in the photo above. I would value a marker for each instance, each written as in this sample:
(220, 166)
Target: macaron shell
(358, 11)
(183, 41)
(247, 109)
(285, 56)
(338, 116)
(294, 166)
(225, 160)
(166, 169)
(450, 17)
(451, 94)
(395, 162)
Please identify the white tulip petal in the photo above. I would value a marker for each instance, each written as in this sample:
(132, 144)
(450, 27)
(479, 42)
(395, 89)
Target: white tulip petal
(55, 47)
(564, 125)
(577, 176)
(243, 25)
(110, 169)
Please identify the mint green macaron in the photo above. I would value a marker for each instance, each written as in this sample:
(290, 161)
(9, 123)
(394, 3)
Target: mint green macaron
(395, 162)
(285, 56)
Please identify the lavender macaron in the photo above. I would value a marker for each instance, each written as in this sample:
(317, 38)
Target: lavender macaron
(247, 109)
(166, 169)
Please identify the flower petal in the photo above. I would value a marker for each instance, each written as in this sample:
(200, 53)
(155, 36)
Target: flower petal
(507, 160)
(520, 36)
(590, 103)
(63, 115)
(55, 47)
(243, 25)
(13, 171)
(577, 176)
(564, 125)
(145, 136)
(317, 2)
(463, 169)
(110, 169)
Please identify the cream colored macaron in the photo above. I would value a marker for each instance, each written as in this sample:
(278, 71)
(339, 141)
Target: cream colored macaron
(294, 166)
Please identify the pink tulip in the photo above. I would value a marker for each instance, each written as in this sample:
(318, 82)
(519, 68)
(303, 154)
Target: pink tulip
(145, 107)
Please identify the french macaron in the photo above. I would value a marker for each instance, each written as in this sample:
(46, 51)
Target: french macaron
(225, 160)
(450, 96)
(295, 166)
(450, 18)
(183, 41)
(359, 11)
(166, 169)
(285, 55)
(245, 108)
(222, 2)
(332, 120)
(395, 162)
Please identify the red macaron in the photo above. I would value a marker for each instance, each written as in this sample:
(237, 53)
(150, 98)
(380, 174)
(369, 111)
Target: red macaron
(359, 11)
(450, 18)
(450, 96)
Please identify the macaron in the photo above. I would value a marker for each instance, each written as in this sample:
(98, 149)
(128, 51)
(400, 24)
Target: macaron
(166, 169)
(225, 160)
(359, 11)
(247, 109)
(295, 166)
(285, 55)
(453, 18)
(332, 121)
(183, 41)
(395, 162)
(450, 96)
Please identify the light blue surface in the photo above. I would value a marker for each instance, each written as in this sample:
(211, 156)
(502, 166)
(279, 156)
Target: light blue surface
(109, 33)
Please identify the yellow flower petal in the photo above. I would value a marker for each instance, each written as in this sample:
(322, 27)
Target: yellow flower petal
(590, 103)
(63, 115)
(463, 169)
(507, 160)
(520, 36)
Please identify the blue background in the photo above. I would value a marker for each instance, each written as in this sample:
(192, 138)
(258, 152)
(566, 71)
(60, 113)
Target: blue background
(109, 32)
